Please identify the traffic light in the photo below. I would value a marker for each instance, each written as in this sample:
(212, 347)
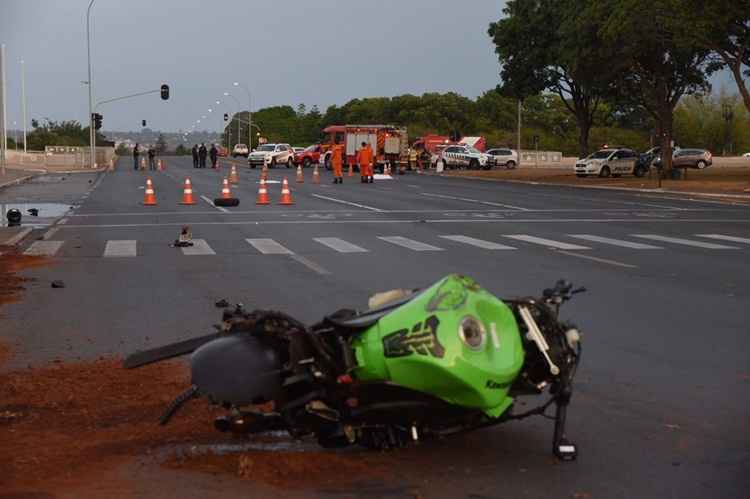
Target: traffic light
(226, 117)
(143, 123)
(165, 92)
(97, 118)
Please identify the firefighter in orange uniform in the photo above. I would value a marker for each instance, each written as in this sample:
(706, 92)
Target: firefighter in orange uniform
(364, 158)
(337, 161)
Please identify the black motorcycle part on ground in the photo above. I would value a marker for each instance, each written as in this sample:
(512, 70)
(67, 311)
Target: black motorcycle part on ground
(237, 370)
(177, 403)
(145, 357)
(226, 202)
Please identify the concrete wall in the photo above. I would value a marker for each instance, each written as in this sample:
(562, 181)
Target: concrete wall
(58, 157)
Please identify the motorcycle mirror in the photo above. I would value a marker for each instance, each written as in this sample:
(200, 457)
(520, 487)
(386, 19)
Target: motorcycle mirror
(547, 293)
(579, 290)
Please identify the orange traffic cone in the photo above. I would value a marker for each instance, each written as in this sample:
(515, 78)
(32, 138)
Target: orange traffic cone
(225, 192)
(187, 193)
(233, 177)
(300, 175)
(351, 170)
(149, 196)
(286, 195)
(316, 175)
(264, 172)
(262, 193)
(143, 163)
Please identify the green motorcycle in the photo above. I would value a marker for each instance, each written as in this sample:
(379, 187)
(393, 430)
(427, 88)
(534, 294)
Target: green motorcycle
(417, 364)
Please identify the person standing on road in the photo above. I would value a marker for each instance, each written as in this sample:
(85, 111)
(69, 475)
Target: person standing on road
(195, 155)
(364, 158)
(202, 153)
(151, 158)
(214, 153)
(337, 162)
(136, 156)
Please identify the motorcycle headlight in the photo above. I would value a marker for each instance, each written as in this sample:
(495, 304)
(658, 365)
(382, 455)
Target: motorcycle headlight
(472, 333)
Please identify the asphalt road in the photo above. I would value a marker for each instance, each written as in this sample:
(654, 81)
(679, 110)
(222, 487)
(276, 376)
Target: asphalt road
(663, 393)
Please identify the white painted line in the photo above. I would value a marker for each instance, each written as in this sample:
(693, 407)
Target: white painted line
(15, 239)
(546, 242)
(199, 247)
(411, 244)
(120, 249)
(340, 245)
(600, 260)
(722, 237)
(220, 208)
(479, 201)
(269, 247)
(310, 264)
(44, 248)
(684, 242)
(615, 242)
(479, 243)
(334, 200)
(48, 235)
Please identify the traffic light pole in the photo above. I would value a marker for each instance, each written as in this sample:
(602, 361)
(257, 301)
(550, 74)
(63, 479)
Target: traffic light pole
(123, 98)
(92, 133)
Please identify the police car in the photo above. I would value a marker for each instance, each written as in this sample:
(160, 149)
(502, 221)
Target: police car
(461, 156)
(608, 162)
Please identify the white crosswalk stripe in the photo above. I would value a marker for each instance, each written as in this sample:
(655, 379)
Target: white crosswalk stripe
(684, 242)
(546, 242)
(479, 243)
(269, 247)
(411, 244)
(615, 242)
(121, 249)
(722, 237)
(340, 245)
(199, 247)
(44, 248)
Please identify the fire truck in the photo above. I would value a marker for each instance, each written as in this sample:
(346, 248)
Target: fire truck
(389, 143)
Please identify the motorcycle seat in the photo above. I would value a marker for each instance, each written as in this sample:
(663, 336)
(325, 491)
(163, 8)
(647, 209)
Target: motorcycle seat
(368, 318)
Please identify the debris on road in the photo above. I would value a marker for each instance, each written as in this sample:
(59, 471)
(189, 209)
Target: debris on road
(11, 263)
(222, 303)
(185, 239)
(58, 284)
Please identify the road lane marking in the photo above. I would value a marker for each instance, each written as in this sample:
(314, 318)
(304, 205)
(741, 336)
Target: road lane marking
(310, 264)
(199, 247)
(44, 248)
(334, 200)
(269, 247)
(339, 245)
(479, 201)
(722, 237)
(63, 221)
(47, 235)
(479, 243)
(120, 249)
(411, 244)
(546, 242)
(684, 242)
(15, 239)
(615, 242)
(600, 260)
(221, 209)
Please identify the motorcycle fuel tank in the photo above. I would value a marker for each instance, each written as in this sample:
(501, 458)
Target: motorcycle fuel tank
(454, 340)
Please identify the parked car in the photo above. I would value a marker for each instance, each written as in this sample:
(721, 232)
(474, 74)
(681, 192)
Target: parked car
(502, 157)
(308, 156)
(460, 156)
(272, 155)
(746, 155)
(223, 152)
(688, 158)
(606, 162)
(298, 149)
(240, 150)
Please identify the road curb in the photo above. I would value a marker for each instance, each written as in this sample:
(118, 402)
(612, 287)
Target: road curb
(17, 238)
(19, 180)
(745, 197)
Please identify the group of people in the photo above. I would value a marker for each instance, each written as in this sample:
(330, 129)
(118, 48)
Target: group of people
(151, 153)
(200, 153)
(365, 157)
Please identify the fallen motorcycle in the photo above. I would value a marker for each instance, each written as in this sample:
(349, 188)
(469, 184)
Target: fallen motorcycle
(417, 364)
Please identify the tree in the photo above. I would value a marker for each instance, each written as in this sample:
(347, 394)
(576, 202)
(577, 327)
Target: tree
(161, 145)
(181, 150)
(58, 133)
(548, 45)
(657, 67)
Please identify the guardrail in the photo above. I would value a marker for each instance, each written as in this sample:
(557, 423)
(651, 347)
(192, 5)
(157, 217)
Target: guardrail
(61, 157)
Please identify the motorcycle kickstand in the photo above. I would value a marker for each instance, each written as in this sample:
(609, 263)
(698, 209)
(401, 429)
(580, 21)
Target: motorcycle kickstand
(561, 447)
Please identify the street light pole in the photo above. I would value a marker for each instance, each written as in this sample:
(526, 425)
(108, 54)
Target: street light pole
(249, 113)
(239, 106)
(23, 101)
(518, 138)
(92, 133)
(3, 111)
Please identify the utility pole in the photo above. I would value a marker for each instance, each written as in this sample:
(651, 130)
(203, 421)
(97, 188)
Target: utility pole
(92, 133)
(518, 138)
(23, 101)
(3, 123)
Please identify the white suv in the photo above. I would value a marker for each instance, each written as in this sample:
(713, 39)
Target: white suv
(272, 155)
(608, 162)
(240, 150)
(502, 157)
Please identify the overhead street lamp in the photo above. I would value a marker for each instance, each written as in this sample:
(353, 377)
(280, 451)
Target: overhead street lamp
(23, 101)
(249, 112)
(92, 133)
(227, 94)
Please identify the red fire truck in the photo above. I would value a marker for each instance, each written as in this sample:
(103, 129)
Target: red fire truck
(389, 143)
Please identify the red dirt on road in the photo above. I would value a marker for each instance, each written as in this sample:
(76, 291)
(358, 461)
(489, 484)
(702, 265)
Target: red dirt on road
(12, 262)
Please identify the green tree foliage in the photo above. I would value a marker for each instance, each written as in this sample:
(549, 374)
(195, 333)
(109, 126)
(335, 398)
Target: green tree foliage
(58, 133)
(122, 149)
(181, 150)
(161, 145)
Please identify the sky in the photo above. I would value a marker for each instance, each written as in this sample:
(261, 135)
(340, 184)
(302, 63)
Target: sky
(283, 51)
